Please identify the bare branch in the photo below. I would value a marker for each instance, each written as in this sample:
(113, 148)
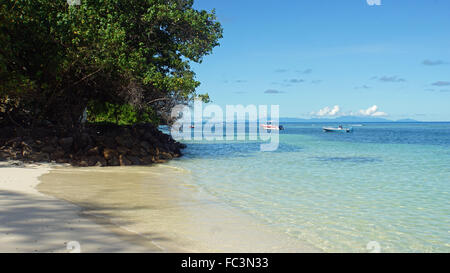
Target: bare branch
(155, 100)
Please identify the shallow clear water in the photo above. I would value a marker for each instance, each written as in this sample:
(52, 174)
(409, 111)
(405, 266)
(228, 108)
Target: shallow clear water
(387, 183)
(159, 207)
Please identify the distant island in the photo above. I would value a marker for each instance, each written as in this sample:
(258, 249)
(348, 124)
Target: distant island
(345, 119)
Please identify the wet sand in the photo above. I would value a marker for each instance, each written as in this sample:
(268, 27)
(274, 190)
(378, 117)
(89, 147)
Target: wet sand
(33, 222)
(161, 206)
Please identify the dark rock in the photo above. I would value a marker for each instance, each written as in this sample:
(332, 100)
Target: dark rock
(146, 145)
(41, 132)
(84, 140)
(83, 163)
(61, 160)
(152, 151)
(26, 150)
(53, 141)
(58, 154)
(17, 155)
(135, 151)
(37, 144)
(101, 162)
(3, 156)
(124, 161)
(147, 160)
(97, 145)
(39, 157)
(109, 153)
(151, 138)
(27, 144)
(66, 143)
(7, 132)
(124, 141)
(110, 143)
(99, 140)
(96, 160)
(143, 152)
(93, 151)
(113, 161)
(165, 155)
(122, 150)
(48, 149)
(15, 142)
(134, 160)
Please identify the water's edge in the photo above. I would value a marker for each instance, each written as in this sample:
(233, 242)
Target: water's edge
(163, 205)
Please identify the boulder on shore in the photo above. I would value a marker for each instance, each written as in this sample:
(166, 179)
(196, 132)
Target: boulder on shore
(96, 145)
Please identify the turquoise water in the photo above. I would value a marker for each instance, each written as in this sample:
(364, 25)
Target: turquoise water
(387, 183)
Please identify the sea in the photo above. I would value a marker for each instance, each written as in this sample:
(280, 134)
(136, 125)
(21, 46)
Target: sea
(384, 187)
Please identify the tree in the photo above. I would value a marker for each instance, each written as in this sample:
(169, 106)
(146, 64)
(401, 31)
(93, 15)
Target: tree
(56, 60)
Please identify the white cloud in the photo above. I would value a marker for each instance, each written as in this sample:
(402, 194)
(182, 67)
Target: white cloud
(372, 111)
(327, 111)
(336, 111)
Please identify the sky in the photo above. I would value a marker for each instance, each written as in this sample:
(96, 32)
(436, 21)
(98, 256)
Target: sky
(330, 58)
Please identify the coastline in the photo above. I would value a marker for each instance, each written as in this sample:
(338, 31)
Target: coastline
(34, 222)
(44, 207)
(163, 206)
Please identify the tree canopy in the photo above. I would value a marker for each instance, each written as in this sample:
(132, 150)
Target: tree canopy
(129, 56)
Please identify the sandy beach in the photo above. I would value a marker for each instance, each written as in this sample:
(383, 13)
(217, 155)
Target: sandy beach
(130, 209)
(33, 222)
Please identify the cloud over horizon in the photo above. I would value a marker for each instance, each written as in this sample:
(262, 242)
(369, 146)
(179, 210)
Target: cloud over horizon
(335, 111)
(327, 111)
(306, 71)
(273, 91)
(362, 87)
(389, 79)
(372, 112)
(296, 80)
(432, 63)
(441, 83)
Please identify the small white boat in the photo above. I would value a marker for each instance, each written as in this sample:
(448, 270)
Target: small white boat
(339, 129)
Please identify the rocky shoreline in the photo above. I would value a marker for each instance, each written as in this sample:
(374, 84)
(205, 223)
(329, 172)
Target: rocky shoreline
(94, 145)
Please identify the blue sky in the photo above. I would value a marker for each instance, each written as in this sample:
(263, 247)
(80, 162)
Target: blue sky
(306, 55)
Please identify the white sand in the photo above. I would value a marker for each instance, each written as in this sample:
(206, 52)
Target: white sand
(33, 222)
(164, 206)
(124, 210)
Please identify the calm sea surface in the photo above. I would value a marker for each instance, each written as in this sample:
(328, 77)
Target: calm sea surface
(385, 182)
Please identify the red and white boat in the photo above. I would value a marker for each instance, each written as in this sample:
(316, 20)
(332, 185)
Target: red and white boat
(269, 126)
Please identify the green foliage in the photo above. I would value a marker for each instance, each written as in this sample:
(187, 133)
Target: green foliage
(134, 55)
(119, 114)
